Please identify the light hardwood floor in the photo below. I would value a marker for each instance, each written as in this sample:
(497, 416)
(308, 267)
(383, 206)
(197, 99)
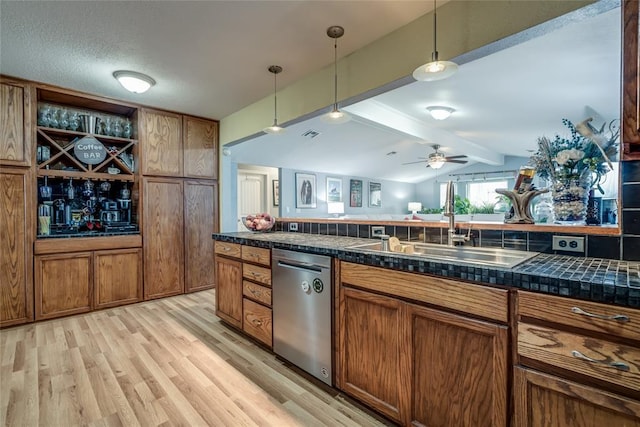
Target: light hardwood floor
(166, 362)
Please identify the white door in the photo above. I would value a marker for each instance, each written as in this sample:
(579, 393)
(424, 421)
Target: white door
(252, 195)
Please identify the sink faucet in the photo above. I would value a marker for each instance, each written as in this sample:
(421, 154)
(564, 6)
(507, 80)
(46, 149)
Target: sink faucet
(449, 210)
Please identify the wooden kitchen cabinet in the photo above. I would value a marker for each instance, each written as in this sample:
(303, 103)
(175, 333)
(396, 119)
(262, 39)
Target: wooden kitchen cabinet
(630, 127)
(15, 123)
(423, 365)
(459, 370)
(547, 400)
(63, 284)
(228, 269)
(200, 146)
(577, 363)
(117, 277)
(163, 245)
(161, 143)
(16, 253)
(370, 351)
(201, 221)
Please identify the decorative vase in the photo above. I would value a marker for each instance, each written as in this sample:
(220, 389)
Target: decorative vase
(570, 196)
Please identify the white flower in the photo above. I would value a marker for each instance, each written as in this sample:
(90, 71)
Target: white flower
(565, 156)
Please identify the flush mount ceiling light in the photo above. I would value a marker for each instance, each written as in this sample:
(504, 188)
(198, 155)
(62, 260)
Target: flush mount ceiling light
(274, 129)
(436, 69)
(335, 116)
(134, 82)
(439, 112)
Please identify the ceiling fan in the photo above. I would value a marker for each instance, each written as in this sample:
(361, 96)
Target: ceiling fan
(437, 159)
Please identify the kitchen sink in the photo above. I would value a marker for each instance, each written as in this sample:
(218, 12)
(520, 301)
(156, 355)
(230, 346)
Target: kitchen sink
(478, 256)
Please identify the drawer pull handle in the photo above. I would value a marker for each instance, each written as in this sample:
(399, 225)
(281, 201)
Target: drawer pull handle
(255, 293)
(227, 249)
(257, 322)
(617, 317)
(618, 365)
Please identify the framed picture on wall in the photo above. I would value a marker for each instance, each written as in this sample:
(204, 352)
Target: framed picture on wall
(375, 194)
(306, 190)
(355, 193)
(276, 192)
(334, 190)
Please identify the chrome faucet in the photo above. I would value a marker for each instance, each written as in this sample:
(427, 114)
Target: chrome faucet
(449, 210)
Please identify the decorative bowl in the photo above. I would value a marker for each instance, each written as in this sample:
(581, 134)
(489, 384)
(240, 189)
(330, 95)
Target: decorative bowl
(261, 222)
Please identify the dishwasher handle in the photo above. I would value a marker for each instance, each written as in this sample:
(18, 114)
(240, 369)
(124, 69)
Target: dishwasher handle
(300, 266)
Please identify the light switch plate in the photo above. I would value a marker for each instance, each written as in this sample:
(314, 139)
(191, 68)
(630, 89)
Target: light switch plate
(568, 243)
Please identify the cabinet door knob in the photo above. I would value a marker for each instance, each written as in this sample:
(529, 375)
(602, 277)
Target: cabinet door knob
(257, 322)
(621, 366)
(617, 317)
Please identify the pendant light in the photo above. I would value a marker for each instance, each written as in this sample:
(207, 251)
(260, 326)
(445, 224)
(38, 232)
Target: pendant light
(335, 116)
(275, 129)
(436, 69)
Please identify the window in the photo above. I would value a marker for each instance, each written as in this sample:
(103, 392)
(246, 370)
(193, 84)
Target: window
(483, 193)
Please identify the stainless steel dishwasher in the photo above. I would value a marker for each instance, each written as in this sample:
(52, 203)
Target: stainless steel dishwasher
(301, 301)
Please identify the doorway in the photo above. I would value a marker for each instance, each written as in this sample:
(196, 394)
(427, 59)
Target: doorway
(252, 195)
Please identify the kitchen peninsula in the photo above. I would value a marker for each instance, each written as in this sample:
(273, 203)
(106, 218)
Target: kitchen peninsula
(556, 329)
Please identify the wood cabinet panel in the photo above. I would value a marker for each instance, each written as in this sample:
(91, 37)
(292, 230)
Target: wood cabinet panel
(117, 277)
(611, 362)
(546, 400)
(16, 291)
(611, 320)
(257, 255)
(200, 148)
(258, 274)
(63, 284)
(459, 370)
(630, 127)
(229, 290)
(200, 216)
(163, 237)
(256, 292)
(256, 321)
(473, 299)
(370, 350)
(15, 123)
(161, 143)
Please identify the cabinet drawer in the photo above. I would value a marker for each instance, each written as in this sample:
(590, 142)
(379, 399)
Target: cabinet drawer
(615, 363)
(469, 298)
(228, 249)
(257, 255)
(256, 321)
(258, 274)
(256, 292)
(620, 321)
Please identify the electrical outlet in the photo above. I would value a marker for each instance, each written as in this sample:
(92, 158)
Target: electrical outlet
(568, 243)
(293, 226)
(377, 231)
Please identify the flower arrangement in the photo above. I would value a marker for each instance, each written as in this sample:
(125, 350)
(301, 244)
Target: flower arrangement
(587, 152)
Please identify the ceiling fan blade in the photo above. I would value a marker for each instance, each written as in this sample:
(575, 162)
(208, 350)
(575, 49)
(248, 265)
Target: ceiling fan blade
(457, 161)
(411, 163)
(455, 157)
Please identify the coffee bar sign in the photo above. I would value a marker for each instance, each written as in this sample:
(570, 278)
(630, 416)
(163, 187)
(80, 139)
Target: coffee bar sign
(90, 151)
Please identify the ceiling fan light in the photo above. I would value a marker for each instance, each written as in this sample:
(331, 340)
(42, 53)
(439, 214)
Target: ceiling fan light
(436, 164)
(134, 82)
(440, 113)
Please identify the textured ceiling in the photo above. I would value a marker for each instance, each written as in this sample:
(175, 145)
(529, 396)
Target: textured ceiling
(209, 58)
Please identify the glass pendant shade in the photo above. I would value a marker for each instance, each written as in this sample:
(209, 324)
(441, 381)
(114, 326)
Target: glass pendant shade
(440, 113)
(275, 129)
(134, 82)
(436, 69)
(335, 116)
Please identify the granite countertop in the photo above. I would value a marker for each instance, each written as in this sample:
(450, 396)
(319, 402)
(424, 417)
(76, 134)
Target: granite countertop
(593, 279)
